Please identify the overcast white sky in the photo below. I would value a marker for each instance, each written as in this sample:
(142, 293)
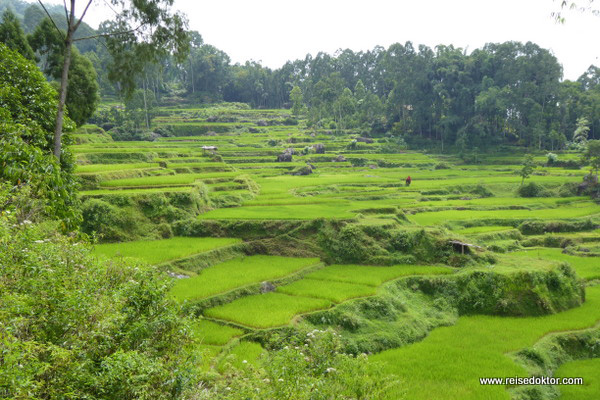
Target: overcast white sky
(274, 31)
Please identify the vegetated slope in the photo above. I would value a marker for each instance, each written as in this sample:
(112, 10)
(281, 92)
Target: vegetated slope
(349, 206)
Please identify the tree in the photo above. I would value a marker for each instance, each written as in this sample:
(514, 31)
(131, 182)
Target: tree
(572, 5)
(143, 31)
(82, 97)
(27, 104)
(12, 35)
(297, 100)
(32, 17)
(527, 168)
(580, 135)
(140, 108)
(592, 155)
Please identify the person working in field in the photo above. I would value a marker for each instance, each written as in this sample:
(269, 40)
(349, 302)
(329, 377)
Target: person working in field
(408, 181)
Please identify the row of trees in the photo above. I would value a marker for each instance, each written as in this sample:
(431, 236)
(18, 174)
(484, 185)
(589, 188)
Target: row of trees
(502, 93)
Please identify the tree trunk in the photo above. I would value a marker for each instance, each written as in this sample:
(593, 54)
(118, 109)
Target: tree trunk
(62, 98)
(145, 104)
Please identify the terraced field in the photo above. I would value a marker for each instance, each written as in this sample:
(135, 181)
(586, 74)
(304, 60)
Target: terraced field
(254, 244)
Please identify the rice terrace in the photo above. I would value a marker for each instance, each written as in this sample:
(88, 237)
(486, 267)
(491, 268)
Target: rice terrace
(401, 223)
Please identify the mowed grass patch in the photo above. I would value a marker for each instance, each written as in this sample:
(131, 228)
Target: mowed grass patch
(448, 363)
(266, 310)
(586, 267)
(208, 332)
(329, 290)
(158, 251)
(236, 273)
(374, 276)
(589, 370)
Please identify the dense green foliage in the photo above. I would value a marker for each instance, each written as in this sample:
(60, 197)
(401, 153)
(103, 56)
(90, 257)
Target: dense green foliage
(82, 96)
(311, 367)
(75, 328)
(12, 35)
(26, 121)
(503, 93)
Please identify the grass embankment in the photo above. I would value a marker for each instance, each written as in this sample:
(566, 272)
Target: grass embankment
(449, 362)
(159, 251)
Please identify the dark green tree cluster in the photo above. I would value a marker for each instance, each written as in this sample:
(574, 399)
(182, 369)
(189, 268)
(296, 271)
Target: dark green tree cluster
(45, 44)
(27, 108)
(74, 328)
(503, 93)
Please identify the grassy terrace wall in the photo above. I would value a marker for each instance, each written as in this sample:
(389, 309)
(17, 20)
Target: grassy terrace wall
(412, 306)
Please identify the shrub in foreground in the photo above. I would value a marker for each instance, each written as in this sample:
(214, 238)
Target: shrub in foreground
(74, 328)
(310, 368)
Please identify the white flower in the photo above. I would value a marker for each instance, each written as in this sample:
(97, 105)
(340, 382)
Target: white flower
(330, 370)
(244, 362)
(280, 379)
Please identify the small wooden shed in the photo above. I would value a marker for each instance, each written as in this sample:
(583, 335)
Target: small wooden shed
(462, 247)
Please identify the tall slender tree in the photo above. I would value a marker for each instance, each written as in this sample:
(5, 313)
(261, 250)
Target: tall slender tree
(141, 31)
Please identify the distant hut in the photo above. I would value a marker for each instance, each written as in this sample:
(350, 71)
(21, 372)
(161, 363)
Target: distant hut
(212, 149)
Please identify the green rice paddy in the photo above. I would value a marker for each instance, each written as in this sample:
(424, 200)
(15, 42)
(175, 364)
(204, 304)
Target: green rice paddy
(449, 362)
(211, 333)
(244, 184)
(236, 273)
(374, 276)
(159, 251)
(586, 267)
(266, 310)
(586, 369)
(329, 290)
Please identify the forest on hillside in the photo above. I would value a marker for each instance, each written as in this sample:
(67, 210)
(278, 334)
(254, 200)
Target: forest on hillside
(444, 97)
